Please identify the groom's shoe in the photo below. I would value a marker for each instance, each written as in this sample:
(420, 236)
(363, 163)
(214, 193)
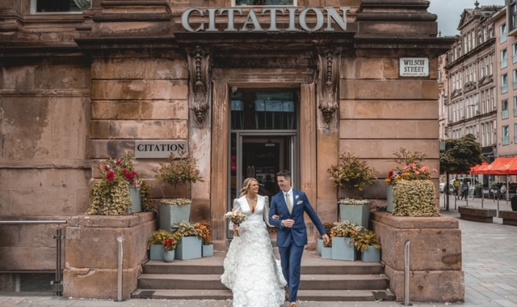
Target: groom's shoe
(292, 305)
(287, 294)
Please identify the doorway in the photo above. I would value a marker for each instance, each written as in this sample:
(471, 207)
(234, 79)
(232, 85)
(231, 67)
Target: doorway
(263, 138)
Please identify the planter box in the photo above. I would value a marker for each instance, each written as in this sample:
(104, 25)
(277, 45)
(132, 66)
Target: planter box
(358, 214)
(168, 256)
(342, 249)
(189, 248)
(326, 252)
(319, 246)
(208, 250)
(156, 252)
(372, 254)
(136, 203)
(170, 215)
(389, 198)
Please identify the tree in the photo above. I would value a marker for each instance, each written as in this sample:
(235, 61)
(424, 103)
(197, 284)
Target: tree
(459, 157)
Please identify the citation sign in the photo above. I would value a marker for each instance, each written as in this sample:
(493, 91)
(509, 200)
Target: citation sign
(414, 67)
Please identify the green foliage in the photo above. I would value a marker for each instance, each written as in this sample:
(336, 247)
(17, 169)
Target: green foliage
(460, 155)
(403, 156)
(178, 171)
(145, 197)
(351, 173)
(328, 229)
(415, 198)
(159, 237)
(345, 229)
(365, 239)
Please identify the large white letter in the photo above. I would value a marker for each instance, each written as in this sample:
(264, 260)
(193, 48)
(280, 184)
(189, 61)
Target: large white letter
(292, 20)
(211, 21)
(184, 20)
(319, 19)
(273, 11)
(332, 14)
(252, 18)
(231, 16)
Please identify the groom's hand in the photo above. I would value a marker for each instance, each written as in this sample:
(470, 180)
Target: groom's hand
(326, 239)
(288, 223)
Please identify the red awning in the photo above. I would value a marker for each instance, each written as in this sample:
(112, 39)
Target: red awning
(501, 166)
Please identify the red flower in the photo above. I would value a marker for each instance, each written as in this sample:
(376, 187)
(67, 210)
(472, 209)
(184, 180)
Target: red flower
(111, 176)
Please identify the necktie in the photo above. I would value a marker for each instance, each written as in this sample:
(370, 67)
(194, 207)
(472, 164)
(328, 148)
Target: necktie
(289, 203)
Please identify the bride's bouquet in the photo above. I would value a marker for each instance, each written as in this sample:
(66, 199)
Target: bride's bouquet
(237, 218)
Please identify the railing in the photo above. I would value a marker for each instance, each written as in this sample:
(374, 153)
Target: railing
(57, 282)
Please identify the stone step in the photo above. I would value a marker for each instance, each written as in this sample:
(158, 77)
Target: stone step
(308, 281)
(303, 295)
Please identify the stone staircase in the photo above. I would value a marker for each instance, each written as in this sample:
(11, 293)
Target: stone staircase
(322, 280)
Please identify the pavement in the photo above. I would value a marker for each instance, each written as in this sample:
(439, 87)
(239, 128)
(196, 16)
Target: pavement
(489, 265)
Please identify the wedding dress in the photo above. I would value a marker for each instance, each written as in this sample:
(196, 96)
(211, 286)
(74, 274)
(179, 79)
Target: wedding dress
(251, 270)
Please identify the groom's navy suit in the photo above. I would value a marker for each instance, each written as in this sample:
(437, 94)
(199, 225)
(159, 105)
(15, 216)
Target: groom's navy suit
(292, 241)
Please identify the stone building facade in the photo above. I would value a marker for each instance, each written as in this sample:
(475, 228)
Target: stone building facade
(304, 82)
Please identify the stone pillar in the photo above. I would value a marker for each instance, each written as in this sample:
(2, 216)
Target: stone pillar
(435, 256)
(91, 260)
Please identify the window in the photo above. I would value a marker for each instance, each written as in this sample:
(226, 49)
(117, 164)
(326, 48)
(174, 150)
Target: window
(506, 135)
(504, 33)
(504, 84)
(515, 133)
(504, 59)
(514, 106)
(264, 2)
(515, 79)
(60, 6)
(514, 53)
(504, 109)
(513, 15)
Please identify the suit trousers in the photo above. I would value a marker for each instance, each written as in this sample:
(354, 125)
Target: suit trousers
(291, 261)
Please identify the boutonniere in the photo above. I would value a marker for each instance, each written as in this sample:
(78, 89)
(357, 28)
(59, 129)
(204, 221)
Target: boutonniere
(299, 202)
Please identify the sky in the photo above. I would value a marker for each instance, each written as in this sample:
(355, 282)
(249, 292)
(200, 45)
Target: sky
(449, 12)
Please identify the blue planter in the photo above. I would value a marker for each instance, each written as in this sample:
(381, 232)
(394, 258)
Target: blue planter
(358, 214)
(156, 252)
(343, 249)
(208, 250)
(389, 198)
(326, 252)
(170, 215)
(189, 248)
(319, 246)
(168, 256)
(372, 254)
(136, 204)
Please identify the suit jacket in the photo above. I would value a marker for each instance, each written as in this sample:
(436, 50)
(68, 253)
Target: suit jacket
(298, 233)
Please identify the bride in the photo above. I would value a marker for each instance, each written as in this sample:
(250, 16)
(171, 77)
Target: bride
(250, 268)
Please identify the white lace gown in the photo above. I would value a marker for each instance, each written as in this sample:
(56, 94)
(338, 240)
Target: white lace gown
(251, 270)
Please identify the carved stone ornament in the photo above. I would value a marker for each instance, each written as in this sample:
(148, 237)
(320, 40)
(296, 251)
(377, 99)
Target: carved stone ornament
(328, 80)
(200, 68)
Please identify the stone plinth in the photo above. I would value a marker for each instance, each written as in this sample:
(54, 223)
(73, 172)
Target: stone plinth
(91, 261)
(435, 256)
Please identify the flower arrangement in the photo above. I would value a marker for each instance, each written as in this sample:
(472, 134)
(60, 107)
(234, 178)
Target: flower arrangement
(159, 237)
(110, 194)
(204, 231)
(364, 239)
(179, 170)
(345, 229)
(352, 173)
(169, 245)
(235, 217)
(352, 201)
(411, 169)
(328, 228)
(184, 229)
(176, 201)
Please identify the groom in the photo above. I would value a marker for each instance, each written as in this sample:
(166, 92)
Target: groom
(287, 209)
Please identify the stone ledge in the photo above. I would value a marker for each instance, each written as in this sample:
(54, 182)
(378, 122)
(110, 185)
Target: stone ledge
(477, 214)
(410, 222)
(509, 217)
(111, 221)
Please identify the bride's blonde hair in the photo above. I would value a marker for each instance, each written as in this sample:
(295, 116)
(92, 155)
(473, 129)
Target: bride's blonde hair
(246, 185)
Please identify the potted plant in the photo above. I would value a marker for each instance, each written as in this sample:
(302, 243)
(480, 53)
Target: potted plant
(155, 244)
(410, 190)
(168, 249)
(118, 191)
(204, 231)
(325, 250)
(342, 234)
(353, 176)
(368, 243)
(177, 172)
(189, 241)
